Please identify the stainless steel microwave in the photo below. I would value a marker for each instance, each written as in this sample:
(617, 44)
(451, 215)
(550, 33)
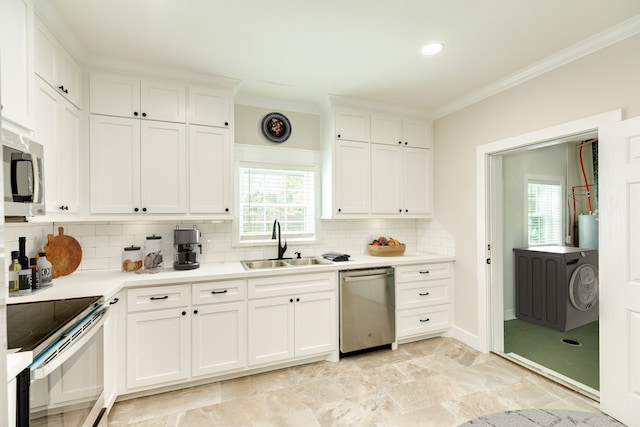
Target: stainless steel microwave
(23, 174)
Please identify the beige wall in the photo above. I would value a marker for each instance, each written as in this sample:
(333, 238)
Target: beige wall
(603, 81)
(305, 128)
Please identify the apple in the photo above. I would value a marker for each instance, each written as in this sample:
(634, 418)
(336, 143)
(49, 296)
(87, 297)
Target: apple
(376, 243)
(382, 240)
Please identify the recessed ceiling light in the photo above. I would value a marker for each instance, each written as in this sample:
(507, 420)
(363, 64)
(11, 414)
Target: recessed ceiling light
(432, 48)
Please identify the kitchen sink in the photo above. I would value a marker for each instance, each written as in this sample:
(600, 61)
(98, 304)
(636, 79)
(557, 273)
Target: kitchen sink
(279, 263)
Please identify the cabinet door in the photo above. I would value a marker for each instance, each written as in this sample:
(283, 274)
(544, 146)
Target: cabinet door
(417, 133)
(219, 338)
(352, 178)
(352, 124)
(418, 181)
(163, 167)
(67, 159)
(158, 347)
(210, 170)
(113, 348)
(162, 100)
(386, 129)
(114, 146)
(69, 77)
(114, 94)
(57, 128)
(16, 68)
(315, 320)
(210, 106)
(45, 53)
(271, 330)
(386, 179)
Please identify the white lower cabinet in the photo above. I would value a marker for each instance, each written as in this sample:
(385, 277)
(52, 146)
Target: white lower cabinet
(295, 316)
(218, 327)
(158, 338)
(423, 299)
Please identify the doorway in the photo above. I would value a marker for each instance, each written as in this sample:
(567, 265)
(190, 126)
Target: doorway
(503, 229)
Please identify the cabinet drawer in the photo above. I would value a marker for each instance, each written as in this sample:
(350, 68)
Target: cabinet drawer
(422, 294)
(412, 273)
(215, 292)
(423, 320)
(158, 297)
(291, 285)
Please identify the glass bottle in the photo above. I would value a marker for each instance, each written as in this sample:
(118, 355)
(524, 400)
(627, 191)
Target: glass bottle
(23, 258)
(14, 283)
(46, 269)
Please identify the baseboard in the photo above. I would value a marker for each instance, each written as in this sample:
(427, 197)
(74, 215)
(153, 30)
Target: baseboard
(468, 339)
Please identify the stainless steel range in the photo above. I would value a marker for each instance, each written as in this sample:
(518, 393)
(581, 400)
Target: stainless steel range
(64, 385)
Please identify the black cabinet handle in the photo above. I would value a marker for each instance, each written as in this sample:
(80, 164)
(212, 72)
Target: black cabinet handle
(424, 294)
(219, 292)
(63, 208)
(195, 311)
(135, 113)
(114, 301)
(144, 114)
(159, 298)
(424, 320)
(424, 272)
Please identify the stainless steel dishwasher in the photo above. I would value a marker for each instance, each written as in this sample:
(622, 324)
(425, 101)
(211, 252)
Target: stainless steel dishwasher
(367, 309)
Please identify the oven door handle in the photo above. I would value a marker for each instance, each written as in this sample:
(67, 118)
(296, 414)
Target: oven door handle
(41, 367)
(367, 277)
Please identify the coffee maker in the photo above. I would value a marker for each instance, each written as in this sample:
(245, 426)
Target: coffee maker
(185, 240)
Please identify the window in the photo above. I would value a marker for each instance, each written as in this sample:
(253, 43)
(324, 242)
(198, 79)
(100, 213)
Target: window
(267, 194)
(544, 211)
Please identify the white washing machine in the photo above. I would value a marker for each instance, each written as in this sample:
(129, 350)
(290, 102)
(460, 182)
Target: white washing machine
(556, 286)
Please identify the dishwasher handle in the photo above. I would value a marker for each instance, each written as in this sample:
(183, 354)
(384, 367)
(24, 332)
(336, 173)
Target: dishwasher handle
(367, 277)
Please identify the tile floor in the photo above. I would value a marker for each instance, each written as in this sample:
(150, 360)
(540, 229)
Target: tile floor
(437, 382)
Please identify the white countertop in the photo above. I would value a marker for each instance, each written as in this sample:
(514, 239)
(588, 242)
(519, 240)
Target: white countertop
(109, 282)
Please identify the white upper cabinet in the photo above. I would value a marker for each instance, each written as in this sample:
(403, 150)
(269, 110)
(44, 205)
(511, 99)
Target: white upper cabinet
(210, 171)
(123, 95)
(395, 130)
(351, 124)
(210, 106)
(16, 66)
(56, 66)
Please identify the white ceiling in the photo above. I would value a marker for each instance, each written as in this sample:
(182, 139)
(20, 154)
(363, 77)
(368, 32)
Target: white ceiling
(300, 51)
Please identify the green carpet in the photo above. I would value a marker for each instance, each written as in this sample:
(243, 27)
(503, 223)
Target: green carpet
(545, 347)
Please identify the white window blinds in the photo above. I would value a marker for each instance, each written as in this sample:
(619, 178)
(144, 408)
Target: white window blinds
(544, 213)
(269, 194)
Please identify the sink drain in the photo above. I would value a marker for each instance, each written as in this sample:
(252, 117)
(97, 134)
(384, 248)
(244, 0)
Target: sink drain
(571, 342)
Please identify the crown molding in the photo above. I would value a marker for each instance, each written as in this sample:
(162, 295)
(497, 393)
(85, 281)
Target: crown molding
(599, 41)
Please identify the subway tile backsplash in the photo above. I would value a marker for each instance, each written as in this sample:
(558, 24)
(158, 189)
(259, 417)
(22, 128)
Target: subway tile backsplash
(102, 242)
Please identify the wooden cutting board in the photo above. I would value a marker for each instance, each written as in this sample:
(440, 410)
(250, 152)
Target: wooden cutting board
(63, 252)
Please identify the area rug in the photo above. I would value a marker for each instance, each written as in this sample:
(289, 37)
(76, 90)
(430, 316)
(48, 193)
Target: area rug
(543, 418)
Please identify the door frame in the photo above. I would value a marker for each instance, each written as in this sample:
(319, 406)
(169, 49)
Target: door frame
(489, 248)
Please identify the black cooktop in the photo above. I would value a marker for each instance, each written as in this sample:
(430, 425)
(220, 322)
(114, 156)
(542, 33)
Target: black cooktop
(33, 326)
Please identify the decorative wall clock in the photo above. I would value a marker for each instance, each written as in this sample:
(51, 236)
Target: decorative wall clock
(276, 127)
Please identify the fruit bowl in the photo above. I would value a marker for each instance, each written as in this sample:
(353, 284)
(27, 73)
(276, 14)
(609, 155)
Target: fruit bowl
(395, 250)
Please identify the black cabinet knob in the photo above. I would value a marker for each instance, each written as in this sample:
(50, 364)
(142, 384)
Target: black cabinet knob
(135, 113)
(339, 210)
(291, 300)
(406, 143)
(400, 210)
(226, 209)
(406, 210)
(136, 209)
(399, 142)
(195, 311)
(226, 123)
(144, 209)
(144, 114)
(297, 299)
(339, 136)
(184, 313)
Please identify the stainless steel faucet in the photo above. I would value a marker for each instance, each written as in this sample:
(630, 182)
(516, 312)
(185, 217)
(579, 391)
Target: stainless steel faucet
(281, 248)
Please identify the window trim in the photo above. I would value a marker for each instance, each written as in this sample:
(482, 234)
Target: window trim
(280, 158)
(549, 180)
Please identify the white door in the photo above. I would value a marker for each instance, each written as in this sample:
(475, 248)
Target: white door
(271, 330)
(619, 161)
(386, 179)
(315, 320)
(417, 181)
(352, 178)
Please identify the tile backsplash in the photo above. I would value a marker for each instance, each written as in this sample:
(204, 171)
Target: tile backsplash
(102, 242)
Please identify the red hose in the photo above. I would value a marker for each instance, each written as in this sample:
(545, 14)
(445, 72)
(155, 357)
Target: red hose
(586, 183)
